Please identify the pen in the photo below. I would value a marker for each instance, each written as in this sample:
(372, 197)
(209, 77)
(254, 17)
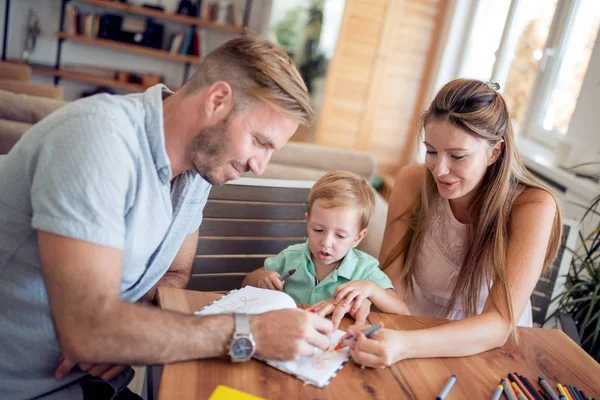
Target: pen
(497, 393)
(285, 276)
(508, 390)
(446, 388)
(547, 388)
(367, 332)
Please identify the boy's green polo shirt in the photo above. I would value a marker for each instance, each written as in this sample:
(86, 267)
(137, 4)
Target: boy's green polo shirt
(355, 266)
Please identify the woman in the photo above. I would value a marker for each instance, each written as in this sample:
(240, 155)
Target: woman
(468, 234)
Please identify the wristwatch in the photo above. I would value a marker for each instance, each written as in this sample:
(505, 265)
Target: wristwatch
(242, 346)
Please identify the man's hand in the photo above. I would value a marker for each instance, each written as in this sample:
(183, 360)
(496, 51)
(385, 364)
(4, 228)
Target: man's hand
(354, 291)
(104, 372)
(270, 280)
(289, 334)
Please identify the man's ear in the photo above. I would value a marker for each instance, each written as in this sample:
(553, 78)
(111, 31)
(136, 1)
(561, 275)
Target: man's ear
(361, 235)
(219, 100)
(496, 151)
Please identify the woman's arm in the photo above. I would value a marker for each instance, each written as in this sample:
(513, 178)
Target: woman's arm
(405, 194)
(388, 301)
(531, 223)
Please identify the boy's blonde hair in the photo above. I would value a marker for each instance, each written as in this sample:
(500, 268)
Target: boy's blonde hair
(343, 188)
(256, 69)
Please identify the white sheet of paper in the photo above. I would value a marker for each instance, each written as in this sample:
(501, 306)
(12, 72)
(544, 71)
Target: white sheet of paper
(316, 370)
(319, 369)
(249, 300)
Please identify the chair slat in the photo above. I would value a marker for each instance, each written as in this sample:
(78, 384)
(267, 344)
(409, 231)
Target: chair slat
(259, 193)
(216, 265)
(226, 245)
(224, 227)
(219, 282)
(228, 209)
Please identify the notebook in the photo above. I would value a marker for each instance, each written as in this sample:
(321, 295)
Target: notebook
(317, 370)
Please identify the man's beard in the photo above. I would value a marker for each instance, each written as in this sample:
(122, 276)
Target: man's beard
(209, 152)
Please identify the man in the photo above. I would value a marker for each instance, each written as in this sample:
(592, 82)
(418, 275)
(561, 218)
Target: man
(101, 201)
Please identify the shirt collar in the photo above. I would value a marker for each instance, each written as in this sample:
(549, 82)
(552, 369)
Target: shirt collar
(345, 269)
(155, 128)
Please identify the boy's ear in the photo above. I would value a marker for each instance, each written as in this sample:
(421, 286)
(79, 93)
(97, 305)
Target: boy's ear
(361, 235)
(306, 217)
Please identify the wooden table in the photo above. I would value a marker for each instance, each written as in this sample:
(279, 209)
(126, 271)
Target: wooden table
(541, 352)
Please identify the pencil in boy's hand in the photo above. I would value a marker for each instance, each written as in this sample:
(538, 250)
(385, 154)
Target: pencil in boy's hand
(285, 276)
(367, 332)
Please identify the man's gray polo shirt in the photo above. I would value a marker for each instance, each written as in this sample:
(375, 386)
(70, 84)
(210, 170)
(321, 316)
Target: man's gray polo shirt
(95, 170)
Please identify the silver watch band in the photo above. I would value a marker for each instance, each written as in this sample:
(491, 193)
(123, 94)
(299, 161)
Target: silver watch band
(242, 324)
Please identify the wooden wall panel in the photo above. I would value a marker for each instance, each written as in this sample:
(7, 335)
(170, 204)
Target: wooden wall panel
(378, 76)
(349, 73)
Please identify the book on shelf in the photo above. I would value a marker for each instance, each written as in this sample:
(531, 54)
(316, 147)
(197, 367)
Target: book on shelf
(187, 43)
(176, 43)
(71, 20)
(222, 12)
(91, 25)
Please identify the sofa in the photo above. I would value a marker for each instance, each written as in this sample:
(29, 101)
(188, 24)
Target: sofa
(295, 161)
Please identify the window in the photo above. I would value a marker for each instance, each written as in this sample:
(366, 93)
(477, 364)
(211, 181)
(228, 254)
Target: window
(538, 51)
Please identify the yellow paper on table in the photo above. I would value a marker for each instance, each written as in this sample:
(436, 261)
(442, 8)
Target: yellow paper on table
(226, 393)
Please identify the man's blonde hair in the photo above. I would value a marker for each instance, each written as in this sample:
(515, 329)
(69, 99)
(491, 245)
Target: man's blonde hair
(255, 69)
(343, 188)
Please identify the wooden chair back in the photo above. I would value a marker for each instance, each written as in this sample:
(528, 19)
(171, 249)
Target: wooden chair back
(244, 222)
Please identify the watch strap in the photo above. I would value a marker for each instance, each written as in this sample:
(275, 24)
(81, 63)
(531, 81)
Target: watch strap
(242, 324)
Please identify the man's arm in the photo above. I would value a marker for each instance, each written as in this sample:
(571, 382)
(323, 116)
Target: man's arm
(180, 270)
(94, 326)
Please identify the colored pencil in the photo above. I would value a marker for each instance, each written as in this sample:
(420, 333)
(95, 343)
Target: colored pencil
(446, 389)
(529, 387)
(497, 393)
(547, 388)
(544, 395)
(520, 395)
(520, 386)
(574, 392)
(287, 275)
(508, 392)
(563, 391)
(367, 332)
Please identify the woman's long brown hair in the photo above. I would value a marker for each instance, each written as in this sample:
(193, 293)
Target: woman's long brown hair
(480, 111)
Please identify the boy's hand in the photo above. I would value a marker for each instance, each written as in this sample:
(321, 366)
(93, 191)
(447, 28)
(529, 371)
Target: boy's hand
(353, 291)
(326, 307)
(270, 280)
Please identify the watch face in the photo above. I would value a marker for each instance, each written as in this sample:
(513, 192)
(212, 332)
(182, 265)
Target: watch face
(242, 348)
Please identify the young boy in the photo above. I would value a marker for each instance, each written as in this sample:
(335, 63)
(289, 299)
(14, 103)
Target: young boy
(340, 205)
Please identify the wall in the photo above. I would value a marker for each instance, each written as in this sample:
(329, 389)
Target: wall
(584, 129)
(379, 76)
(75, 53)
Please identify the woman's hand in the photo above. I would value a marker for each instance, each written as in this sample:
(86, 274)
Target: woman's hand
(384, 348)
(270, 280)
(354, 291)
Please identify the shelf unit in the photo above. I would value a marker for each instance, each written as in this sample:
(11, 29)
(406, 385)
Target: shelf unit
(184, 19)
(58, 73)
(132, 48)
(86, 77)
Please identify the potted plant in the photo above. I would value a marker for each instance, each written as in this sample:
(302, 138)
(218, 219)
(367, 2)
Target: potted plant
(581, 299)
